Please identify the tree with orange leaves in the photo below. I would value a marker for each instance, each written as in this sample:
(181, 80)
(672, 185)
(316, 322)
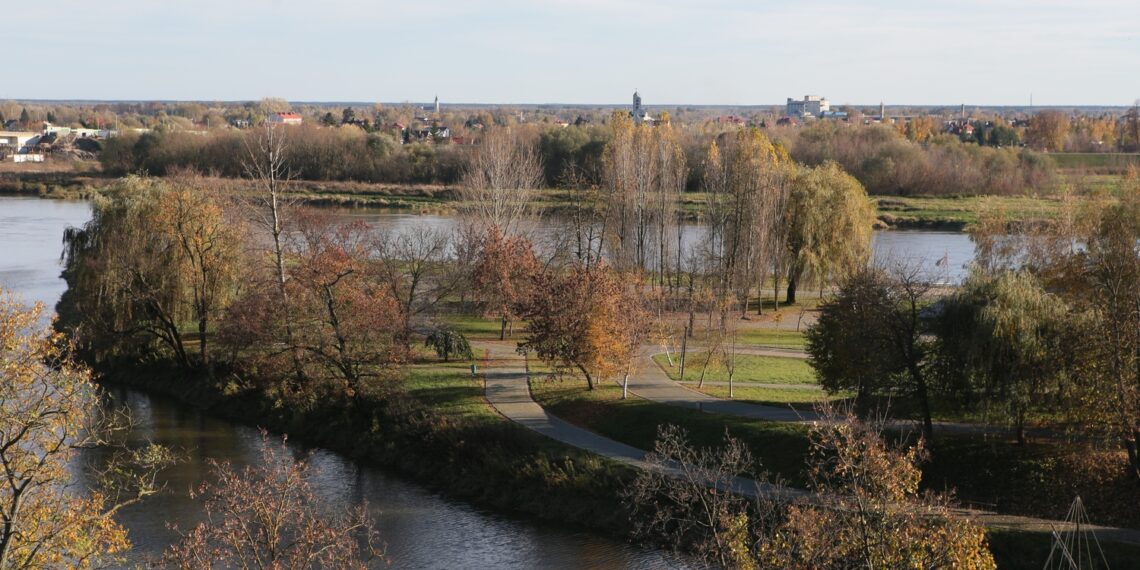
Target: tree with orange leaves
(502, 274)
(587, 319)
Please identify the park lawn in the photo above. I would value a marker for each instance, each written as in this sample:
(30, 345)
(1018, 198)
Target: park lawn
(777, 338)
(479, 328)
(779, 447)
(449, 389)
(799, 399)
(749, 368)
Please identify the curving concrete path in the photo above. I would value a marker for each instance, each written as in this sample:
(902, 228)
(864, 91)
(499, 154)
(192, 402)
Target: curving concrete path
(652, 383)
(508, 391)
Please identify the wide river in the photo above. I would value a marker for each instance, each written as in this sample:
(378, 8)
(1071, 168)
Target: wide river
(421, 528)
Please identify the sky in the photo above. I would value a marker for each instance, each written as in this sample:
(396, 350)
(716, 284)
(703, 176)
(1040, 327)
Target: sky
(731, 52)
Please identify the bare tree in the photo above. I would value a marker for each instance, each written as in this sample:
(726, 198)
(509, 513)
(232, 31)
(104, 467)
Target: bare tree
(267, 517)
(498, 180)
(267, 165)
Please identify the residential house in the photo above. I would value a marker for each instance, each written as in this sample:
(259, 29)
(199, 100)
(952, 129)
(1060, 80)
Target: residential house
(285, 119)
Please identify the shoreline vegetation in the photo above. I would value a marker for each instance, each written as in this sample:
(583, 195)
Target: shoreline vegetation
(442, 433)
(223, 293)
(932, 213)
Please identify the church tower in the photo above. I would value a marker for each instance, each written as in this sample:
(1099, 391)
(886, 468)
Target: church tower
(636, 105)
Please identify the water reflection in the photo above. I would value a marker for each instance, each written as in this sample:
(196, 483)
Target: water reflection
(421, 529)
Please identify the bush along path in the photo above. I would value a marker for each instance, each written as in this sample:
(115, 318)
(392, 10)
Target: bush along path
(508, 391)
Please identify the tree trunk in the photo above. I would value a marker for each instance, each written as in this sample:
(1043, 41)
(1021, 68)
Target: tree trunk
(684, 350)
(589, 379)
(791, 298)
(625, 386)
(503, 329)
(924, 402)
(1133, 453)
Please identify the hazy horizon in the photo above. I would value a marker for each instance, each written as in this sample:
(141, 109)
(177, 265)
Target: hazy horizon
(578, 52)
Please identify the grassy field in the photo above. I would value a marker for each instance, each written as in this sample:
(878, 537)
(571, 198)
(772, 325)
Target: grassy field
(777, 338)
(804, 400)
(749, 368)
(958, 212)
(1095, 160)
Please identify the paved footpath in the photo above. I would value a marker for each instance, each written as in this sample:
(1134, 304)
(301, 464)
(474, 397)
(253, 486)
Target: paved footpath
(508, 391)
(652, 383)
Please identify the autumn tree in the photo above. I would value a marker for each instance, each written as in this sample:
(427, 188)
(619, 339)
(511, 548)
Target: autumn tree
(498, 180)
(828, 223)
(210, 245)
(503, 274)
(267, 164)
(416, 266)
(349, 321)
(448, 342)
(584, 319)
(691, 499)
(866, 510)
(1008, 339)
(863, 507)
(643, 172)
(267, 516)
(155, 257)
(49, 411)
(748, 184)
(1048, 131)
(1112, 271)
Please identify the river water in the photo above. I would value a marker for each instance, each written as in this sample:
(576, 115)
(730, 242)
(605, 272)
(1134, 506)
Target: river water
(421, 528)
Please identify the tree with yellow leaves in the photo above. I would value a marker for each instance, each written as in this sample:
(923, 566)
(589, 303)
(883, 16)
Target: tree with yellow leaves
(49, 410)
(828, 223)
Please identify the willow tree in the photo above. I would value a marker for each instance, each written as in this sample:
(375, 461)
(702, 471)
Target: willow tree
(156, 259)
(828, 223)
(643, 170)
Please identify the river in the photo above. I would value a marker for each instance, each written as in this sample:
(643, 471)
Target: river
(421, 528)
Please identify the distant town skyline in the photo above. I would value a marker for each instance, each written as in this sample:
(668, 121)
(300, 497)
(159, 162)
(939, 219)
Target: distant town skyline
(578, 52)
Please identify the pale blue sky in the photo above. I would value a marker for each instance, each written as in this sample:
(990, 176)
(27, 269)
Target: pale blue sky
(576, 51)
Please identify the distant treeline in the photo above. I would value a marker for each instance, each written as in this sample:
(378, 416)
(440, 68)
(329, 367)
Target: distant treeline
(887, 163)
(883, 159)
(313, 153)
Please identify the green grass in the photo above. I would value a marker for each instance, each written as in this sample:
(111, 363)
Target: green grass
(749, 368)
(1115, 160)
(449, 389)
(962, 211)
(804, 400)
(777, 338)
(780, 447)
(478, 327)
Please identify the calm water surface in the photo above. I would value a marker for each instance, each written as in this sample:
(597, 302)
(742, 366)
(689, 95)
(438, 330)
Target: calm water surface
(421, 528)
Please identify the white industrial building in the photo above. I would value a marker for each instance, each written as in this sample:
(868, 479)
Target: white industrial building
(18, 142)
(812, 105)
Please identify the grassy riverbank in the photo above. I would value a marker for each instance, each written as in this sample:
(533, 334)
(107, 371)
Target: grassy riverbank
(81, 180)
(437, 430)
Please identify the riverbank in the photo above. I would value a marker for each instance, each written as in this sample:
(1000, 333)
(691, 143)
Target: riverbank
(954, 213)
(437, 431)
